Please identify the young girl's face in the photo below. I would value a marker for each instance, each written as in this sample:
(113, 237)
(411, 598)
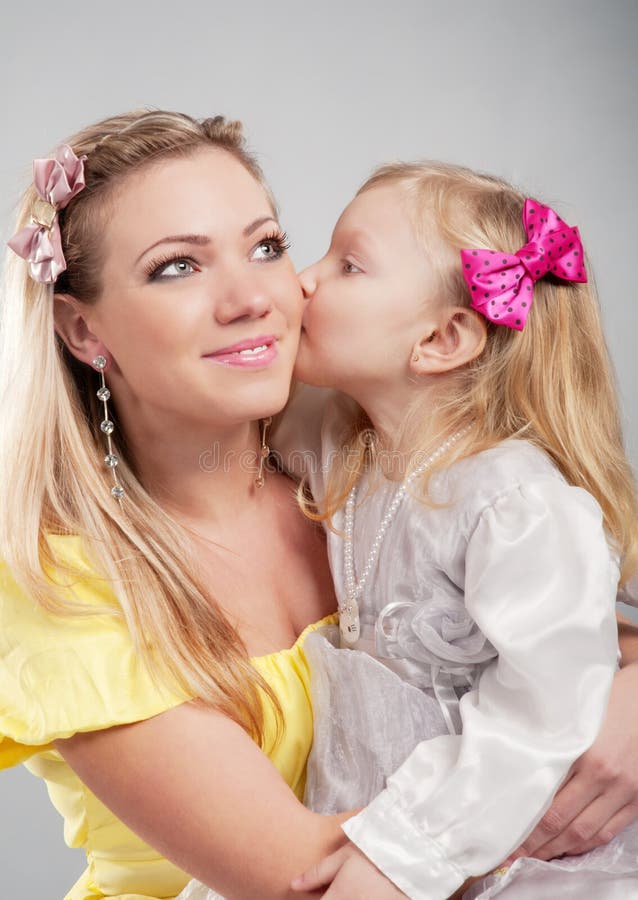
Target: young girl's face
(367, 299)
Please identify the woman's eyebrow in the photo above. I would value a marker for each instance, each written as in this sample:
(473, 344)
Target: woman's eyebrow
(199, 240)
(257, 223)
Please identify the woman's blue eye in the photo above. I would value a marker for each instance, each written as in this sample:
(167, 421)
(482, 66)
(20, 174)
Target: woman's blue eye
(266, 250)
(272, 247)
(167, 269)
(175, 269)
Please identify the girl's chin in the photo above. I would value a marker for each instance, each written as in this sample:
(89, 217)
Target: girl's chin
(304, 369)
(309, 371)
(302, 373)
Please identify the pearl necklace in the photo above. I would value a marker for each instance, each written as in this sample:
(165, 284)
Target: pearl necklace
(349, 624)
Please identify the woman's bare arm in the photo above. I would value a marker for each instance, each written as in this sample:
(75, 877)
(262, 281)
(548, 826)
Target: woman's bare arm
(194, 785)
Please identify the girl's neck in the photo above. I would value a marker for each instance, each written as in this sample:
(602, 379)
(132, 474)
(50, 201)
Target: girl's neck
(407, 425)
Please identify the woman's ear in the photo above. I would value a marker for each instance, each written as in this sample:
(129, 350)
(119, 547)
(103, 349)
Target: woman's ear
(71, 325)
(459, 338)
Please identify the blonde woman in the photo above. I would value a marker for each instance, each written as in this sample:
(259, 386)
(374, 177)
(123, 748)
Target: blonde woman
(147, 558)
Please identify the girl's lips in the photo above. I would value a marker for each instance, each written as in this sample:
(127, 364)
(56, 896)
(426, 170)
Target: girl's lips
(254, 353)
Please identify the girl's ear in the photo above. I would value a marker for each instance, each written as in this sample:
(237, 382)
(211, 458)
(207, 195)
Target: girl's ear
(71, 325)
(459, 338)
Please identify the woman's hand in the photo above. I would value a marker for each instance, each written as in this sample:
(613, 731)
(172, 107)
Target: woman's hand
(350, 876)
(600, 797)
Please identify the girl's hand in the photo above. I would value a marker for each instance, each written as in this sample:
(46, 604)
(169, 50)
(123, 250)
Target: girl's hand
(600, 797)
(350, 875)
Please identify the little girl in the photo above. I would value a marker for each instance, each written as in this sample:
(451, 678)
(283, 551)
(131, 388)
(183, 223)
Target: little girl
(480, 509)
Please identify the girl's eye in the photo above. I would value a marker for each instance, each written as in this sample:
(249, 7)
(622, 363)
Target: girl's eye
(350, 269)
(271, 247)
(178, 267)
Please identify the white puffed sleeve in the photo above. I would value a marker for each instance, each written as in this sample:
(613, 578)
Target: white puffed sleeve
(540, 582)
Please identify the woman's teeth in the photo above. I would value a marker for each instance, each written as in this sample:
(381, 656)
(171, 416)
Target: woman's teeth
(252, 350)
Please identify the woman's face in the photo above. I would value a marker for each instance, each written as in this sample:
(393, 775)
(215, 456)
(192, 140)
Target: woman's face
(366, 299)
(200, 309)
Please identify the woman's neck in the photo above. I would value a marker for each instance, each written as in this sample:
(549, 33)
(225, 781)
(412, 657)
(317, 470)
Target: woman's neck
(199, 472)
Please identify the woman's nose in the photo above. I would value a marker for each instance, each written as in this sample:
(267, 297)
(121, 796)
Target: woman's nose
(240, 298)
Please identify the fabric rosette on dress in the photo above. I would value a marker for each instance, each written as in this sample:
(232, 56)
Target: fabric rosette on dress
(399, 685)
(435, 645)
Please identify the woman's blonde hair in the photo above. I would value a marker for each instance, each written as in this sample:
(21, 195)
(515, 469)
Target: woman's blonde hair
(52, 477)
(550, 384)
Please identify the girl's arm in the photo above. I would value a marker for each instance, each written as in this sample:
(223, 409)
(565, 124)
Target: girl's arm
(540, 583)
(348, 873)
(194, 785)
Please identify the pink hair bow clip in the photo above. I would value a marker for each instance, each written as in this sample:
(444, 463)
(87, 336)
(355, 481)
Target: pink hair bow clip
(57, 181)
(502, 284)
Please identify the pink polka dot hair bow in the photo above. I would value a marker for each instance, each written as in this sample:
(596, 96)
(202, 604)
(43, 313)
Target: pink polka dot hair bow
(57, 181)
(502, 284)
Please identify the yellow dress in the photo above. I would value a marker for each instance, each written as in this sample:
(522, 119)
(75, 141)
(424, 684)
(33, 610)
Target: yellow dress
(60, 675)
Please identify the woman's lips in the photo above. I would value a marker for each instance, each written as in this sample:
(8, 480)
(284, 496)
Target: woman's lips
(253, 353)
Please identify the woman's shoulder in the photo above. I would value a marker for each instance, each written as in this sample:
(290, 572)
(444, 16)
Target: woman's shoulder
(64, 670)
(71, 574)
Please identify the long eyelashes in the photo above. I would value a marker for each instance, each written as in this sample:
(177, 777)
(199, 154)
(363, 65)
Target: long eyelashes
(155, 267)
(278, 240)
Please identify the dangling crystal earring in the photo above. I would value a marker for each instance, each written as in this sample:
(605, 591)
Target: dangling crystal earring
(264, 451)
(107, 427)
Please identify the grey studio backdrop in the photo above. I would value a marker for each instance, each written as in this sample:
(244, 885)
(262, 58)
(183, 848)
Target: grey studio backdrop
(542, 93)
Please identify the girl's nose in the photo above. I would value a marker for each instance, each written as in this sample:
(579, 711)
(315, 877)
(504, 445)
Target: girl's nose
(308, 280)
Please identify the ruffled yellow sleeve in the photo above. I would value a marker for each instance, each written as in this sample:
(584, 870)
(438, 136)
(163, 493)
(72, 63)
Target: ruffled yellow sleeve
(61, 674)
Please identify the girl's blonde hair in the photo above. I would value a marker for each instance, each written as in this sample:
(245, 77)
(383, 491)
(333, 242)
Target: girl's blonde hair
(550, 384)
(52, 477)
